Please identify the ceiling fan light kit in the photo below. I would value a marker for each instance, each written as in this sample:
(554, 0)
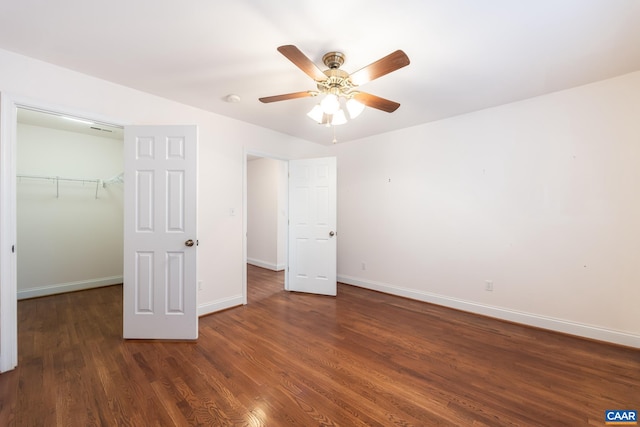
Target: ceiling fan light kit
(337, 85)
(338, 118)
(354, 108)
(316, 113)
(330, 104)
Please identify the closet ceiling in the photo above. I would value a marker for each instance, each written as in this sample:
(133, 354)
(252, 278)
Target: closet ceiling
(466, 55)
(70, 124)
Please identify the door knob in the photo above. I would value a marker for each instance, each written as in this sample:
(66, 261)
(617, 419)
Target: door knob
(331, 233)
(188, 243)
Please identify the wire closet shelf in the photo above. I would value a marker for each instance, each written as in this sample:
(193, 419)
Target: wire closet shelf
(57, 179)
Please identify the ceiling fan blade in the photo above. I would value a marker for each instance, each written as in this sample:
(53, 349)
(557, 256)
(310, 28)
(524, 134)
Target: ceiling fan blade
(376, 102)
(392, 62)
(284, 97)
(301, 61)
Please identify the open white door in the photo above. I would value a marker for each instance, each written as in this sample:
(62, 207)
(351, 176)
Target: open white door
(312, 226)
(160, 232)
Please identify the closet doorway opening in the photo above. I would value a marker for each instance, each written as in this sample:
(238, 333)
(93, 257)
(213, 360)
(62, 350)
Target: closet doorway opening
(69, 203)
(266, 207)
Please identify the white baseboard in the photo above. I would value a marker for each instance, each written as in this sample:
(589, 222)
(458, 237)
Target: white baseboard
(530, 319)
(223, 304)
(42, 291)
(264, 264)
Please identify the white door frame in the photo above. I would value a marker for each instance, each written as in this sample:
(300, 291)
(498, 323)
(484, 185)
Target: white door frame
(247, 153)
(8, 222)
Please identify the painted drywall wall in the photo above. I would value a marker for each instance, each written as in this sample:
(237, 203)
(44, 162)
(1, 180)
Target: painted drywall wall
(265, 213)
(67, 239)
(539, 197)
(283, 210)
(222, 143)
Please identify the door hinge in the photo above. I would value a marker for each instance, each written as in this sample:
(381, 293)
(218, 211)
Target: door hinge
(13, 249)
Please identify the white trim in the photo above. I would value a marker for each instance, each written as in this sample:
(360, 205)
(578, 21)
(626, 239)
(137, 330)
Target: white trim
(245, 153)
(221, 304)
(265, 264)
(530, 319)
(265, 155)
(60, 288)
(8, 301)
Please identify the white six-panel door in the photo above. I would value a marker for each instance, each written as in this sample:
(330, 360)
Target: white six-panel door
(160, 233)
(312, 226)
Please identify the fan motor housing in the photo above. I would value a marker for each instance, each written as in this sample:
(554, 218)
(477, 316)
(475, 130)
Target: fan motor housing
(337, 79)
(333, 59)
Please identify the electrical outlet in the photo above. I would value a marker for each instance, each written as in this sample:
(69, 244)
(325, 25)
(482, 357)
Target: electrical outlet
(199, 285)
(488, 285)
(364, 266)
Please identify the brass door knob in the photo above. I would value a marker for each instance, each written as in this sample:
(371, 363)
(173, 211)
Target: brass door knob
(188, 243)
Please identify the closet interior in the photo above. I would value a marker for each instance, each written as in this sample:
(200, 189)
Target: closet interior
(69, 203)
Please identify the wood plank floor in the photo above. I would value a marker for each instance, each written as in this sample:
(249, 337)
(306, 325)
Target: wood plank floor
(286, 359)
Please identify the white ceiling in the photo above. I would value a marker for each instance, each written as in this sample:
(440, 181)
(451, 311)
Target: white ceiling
(69, 124)
(466, 55)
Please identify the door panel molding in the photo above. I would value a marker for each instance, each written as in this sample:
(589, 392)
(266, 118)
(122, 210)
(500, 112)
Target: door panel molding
(312, 226)
(160, 288)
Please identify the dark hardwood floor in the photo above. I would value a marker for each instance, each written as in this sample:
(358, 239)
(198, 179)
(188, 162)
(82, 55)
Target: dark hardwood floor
(363, 358)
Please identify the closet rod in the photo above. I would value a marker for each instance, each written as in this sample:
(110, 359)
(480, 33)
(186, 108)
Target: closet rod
(57, 180)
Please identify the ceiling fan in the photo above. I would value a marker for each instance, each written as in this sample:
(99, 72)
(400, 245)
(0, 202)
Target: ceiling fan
(337, 84)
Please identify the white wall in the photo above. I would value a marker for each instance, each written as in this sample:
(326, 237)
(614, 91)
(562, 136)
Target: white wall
(283, 210)
(266, 237)
(66, 238)
(539, 196)
(222, 145)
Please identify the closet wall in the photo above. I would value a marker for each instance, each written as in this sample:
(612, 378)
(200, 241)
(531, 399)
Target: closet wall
(267, 213)
(67, 239)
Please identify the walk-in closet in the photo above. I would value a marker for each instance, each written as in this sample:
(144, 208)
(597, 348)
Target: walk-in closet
(69, 210)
